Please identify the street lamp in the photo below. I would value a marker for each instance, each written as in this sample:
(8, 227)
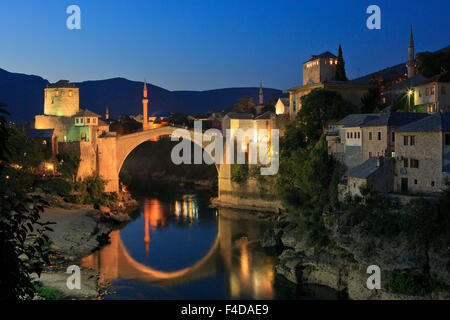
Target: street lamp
(410, 92)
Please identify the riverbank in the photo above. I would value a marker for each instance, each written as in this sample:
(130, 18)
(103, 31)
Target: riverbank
(79, 230)
(343, 264)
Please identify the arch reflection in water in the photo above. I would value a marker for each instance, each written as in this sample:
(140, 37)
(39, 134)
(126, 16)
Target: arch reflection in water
(234, 258)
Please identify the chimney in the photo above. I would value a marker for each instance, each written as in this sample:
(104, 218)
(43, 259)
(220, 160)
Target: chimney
(380, 162)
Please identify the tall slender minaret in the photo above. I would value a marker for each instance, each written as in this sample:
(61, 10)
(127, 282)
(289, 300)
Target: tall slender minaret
(411, 58)
(261, 94)
(107, 114)
(145, 111)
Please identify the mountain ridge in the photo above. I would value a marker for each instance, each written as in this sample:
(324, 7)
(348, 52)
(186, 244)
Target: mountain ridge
(24, 96)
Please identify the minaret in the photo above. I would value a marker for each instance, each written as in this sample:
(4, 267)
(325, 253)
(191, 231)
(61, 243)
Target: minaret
(145, 111)
(261, 94)
(411, 58)
(107, 114)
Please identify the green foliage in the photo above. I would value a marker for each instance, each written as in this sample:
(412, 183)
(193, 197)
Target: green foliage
(382, 217)
(340, 68)
(401, 104)
(321, 108)
(57, 186)
(244, 105)
(371, 101)
(91, 191)
(432, 63)
(125, 125)
(239, 173)
(22, 235)
(68, 166)
(307, 185)
(48, 293)
(412, 284)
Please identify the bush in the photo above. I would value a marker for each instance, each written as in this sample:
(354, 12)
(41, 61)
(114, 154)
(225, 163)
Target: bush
(239, 173)
(412, 284)
(56, 185)
(48, 293)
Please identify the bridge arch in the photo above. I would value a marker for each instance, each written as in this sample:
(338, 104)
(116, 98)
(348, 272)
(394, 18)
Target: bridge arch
(113, 151)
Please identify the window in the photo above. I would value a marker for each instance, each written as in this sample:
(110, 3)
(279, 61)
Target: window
(432, 183)
(393, 136)
(447, 139)
(359, 135)
(413, 140)
(427, 91)
(405, 163)
(405, 140)
(379, 135)
(56, 93)
(370, 154)
(420, 93)
(351, 135)
(414, 163)
(348, 135)
(415, 181)
(70, 93)
(444, 90)
(432, 91)
(293, 105)
(370, 135)
(77, 121)
(88, 120)
(94, 120)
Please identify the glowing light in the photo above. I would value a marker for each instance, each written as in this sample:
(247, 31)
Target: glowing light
(50, 166)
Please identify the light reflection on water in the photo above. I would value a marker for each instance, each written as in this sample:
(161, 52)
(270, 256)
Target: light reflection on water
(181, 249)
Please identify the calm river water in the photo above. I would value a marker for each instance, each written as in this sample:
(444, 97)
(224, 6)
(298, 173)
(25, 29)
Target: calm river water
(179, 248)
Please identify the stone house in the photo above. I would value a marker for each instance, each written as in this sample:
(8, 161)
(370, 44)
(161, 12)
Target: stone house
(423, 155)
(377, 135)
(319, 73)
(345, 139)
(378, 173)
(433, 95)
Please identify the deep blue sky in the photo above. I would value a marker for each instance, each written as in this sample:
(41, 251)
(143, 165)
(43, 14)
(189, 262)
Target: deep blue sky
(199, 44)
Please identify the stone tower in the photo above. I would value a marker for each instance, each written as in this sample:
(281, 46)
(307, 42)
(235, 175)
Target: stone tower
(61, 99)
(261, 94)
(411, 58)
(145, 125)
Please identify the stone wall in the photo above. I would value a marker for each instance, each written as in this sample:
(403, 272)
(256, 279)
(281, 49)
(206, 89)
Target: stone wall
(427, 150)
(87, 153)
(63, 102)
(375, 147)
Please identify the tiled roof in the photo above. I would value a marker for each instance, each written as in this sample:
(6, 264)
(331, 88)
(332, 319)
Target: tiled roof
(357, 120)
(61, 84)
(434, 122)
(265, 115)
(443, 77)
(395, 119)
(39, 133)
(325, 55)
(86, 113)
(242, 116)
(364, 170)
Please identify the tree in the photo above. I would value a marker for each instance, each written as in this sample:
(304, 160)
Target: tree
(320, 108)
(68, 166)
(340, 68)
(371, 101)
(22, 236)
(244, 105)
(432, 63)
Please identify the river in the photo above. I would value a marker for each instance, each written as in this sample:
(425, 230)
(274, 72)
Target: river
(177, 247)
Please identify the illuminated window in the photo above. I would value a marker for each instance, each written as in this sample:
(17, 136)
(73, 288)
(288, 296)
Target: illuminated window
(56, 93)
(70, 93)
(432, 91)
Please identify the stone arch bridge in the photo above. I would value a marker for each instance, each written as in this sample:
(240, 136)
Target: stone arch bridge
(113, 150)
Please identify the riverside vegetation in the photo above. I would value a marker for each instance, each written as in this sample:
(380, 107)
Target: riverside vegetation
(32, 245)
(321, 240)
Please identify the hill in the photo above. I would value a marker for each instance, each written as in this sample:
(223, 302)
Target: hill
(24, 95)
